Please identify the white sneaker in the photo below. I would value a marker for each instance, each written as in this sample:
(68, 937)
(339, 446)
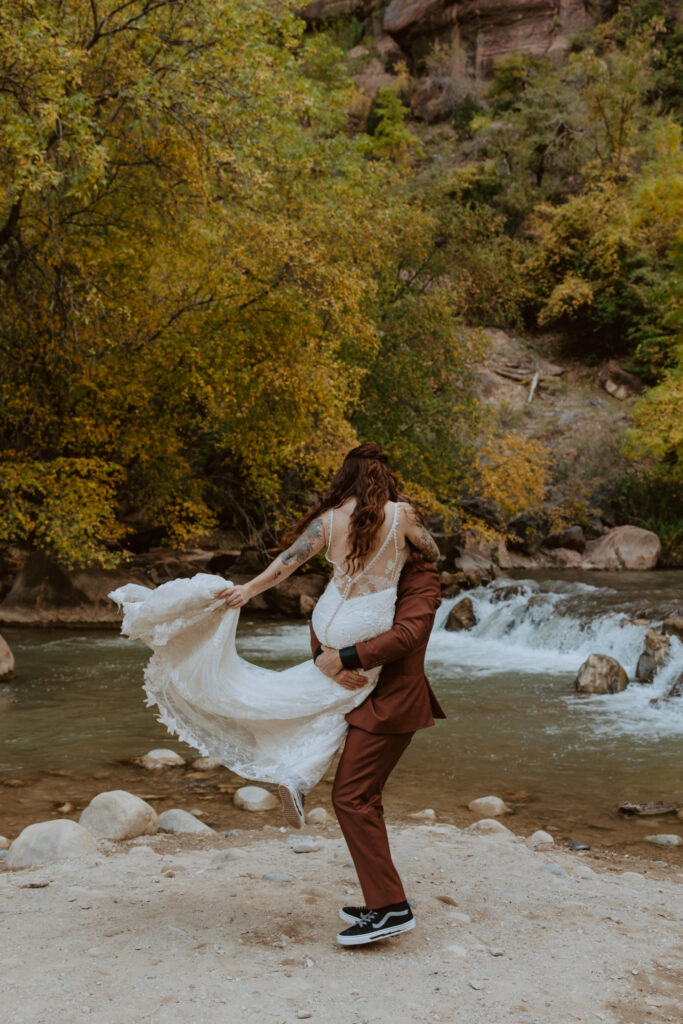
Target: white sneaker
(292, 805)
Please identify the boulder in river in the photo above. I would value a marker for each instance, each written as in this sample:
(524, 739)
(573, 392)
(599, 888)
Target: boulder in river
(6, 660)
(624, 547)
(673, 626)
(461, 615)
(161, 758)
(254, 798)
(118, 814)
(488, 806)
(47, 841)
(571, 539)
(205, 764)
(646, 668)
(297, 596)
(600, 674)
(658, 646)
(663, 839)
(179, 821)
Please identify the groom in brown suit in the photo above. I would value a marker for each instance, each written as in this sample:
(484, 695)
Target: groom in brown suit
(380, 729)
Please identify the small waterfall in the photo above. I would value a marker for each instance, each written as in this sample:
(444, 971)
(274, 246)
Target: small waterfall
(549, 629)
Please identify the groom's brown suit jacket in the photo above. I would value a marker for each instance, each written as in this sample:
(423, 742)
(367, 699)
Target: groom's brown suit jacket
(402, 701)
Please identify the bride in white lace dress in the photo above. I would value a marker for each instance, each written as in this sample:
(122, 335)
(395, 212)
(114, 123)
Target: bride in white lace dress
(285, 726)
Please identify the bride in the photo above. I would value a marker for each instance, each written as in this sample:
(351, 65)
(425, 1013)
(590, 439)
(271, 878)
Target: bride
(280, 727)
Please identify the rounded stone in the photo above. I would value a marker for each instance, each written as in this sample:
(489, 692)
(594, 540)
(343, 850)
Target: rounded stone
(662, 839)
(205, 764)
(489, 827)
(488, 806)
(540, 838)
(47, 841)
(600, 674)
(161, 758)
(179, 821)
(254, 798)
(317, 816)
(7, 668)
(118, 814)
(4, 843)
(429, 814)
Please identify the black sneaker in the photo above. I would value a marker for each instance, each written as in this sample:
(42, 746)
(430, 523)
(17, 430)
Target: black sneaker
(352, 914)
(379, 924)
(292, 805)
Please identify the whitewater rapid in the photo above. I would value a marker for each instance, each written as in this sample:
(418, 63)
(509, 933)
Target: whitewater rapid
(550, 629)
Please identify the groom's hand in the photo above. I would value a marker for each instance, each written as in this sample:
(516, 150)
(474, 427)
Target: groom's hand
(329, 662)
(350, 680)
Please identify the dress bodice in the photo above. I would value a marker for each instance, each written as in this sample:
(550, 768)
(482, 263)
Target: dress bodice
(358, 607)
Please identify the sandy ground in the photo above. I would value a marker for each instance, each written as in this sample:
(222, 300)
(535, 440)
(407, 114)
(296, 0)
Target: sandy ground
(174, 929)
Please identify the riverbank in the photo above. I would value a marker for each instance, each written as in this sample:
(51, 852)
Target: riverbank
(182, 929)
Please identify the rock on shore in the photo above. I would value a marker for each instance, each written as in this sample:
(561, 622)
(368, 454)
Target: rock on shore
(47, 842)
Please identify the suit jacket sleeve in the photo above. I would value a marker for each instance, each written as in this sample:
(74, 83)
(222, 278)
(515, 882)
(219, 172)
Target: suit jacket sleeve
(413, 621)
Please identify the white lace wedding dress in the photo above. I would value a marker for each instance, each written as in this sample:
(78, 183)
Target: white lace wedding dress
(279, 727)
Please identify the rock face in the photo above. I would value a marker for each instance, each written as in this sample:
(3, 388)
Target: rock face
(296, 597)
(254, 798)
(487, 30)
(119, 815)
(49, 841)
(161, 758)
(461, 616)
(618, 382)
(601, 674)
(625, 547)
(6, 660)
(179, 821)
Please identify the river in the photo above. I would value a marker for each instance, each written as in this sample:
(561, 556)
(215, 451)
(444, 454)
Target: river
(515, 726)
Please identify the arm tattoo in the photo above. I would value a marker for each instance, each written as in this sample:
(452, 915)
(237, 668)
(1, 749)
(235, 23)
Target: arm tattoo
(303, 547)
(426, 545)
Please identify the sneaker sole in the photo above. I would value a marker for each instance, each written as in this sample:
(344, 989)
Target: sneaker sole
(363, 940)
(289, 809)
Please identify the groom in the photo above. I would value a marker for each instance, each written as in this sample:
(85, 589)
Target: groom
(380, 729)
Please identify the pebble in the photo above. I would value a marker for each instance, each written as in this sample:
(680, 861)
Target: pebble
(496, 951)
(540, 838)
(490, 806)
(661, 839)
(66, 808)
(205, 764)
(273, 876)
(161, 758)
(303, 1015)
(254, 798)
(304, 844)
(578, 846)
(429, 814)
(4, 843)
(476, 985)
(317, 816)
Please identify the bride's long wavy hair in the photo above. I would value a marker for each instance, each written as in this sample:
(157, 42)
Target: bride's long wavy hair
(365, 476)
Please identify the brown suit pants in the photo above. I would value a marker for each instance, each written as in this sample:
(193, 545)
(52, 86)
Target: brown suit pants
(366, 763)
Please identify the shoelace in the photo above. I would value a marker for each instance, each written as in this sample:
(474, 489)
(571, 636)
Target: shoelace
(368, 917)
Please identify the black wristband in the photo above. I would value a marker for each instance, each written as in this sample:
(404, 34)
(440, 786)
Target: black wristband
(349, 658)
(318, 650)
